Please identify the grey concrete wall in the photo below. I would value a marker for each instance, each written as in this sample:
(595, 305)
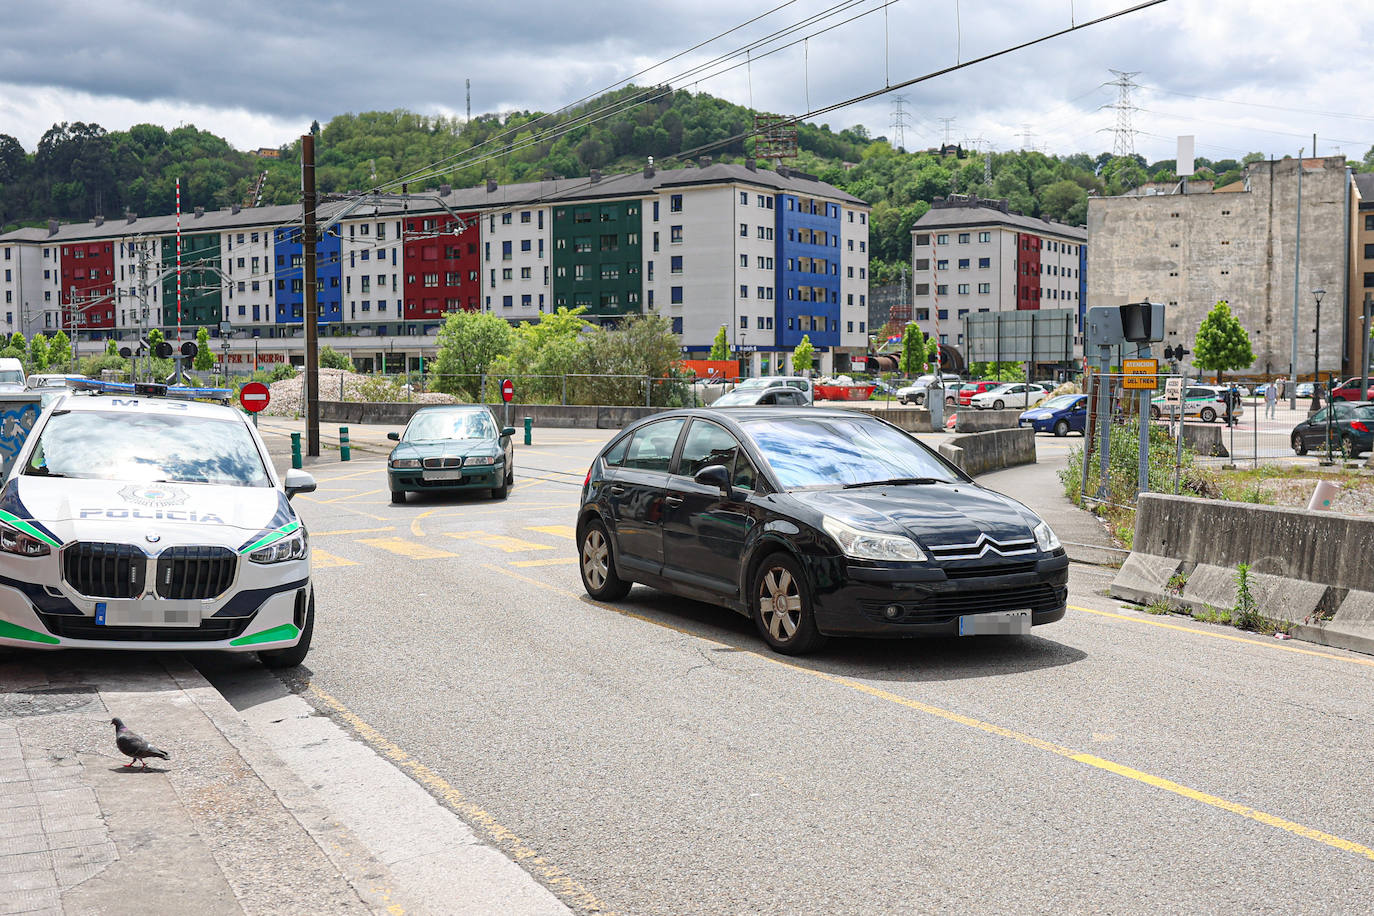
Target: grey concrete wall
(911, 419)
(972, 420)
(991, 450)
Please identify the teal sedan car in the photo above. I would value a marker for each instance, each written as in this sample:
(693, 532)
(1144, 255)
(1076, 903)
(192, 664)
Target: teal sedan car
(448, 449)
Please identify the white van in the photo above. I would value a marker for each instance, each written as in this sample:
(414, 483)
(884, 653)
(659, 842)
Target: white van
(11, 374)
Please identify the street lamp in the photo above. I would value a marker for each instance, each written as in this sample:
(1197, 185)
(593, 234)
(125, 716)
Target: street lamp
(1316, 349)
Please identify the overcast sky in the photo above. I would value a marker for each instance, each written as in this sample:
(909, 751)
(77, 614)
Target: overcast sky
(1241, 75)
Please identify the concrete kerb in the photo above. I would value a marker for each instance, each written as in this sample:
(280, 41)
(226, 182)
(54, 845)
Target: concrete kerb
(1187, 552)
(991, 450)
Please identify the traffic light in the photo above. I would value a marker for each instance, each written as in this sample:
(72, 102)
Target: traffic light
(1142, 322)
(188, 349)
(163, 350)
(1176, 353)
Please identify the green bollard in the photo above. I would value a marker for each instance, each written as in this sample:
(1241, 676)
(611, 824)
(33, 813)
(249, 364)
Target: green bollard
(344, 451)
(529, 425)
(296, 450)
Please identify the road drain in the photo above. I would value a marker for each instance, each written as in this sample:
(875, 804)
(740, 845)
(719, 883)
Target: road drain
(47, 701)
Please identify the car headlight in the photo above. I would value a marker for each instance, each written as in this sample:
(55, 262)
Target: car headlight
(871, 545)
(479, 460)
(406, 463)
(1045, 538)
(292, 547)
(21, 544)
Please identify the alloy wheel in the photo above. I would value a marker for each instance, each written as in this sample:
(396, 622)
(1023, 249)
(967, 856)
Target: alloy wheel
(595, 558)
(780, 604)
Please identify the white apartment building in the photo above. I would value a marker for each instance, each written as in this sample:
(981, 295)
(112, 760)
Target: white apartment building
(517, 264)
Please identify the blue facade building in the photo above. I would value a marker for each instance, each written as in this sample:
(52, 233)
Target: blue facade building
(290, 291)
(808, 272)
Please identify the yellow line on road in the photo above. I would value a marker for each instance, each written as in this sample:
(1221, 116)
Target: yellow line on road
(320, 559)
(1264, 644)
(325, 534)
(1100, 763)
(411, 549)
(346, 476)
(568, 889)
(558, 531)
(338, 499)
(561, 561)
(501, 542)
(345, 508)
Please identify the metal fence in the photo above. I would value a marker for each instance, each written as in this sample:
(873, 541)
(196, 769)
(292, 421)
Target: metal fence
(568, 389)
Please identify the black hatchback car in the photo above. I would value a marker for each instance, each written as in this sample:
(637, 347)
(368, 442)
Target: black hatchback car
(814, 523)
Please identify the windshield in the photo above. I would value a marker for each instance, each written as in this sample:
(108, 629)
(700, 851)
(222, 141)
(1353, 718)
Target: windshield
(451, 424)
(736, 398)
(746, 384)
(838, 451)
(116, 445)
(11, 377)
(1059, 403)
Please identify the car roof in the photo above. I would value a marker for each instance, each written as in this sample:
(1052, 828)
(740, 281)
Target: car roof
(138, 403)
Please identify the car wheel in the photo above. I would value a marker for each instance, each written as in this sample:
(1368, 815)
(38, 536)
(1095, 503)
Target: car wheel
(1349, 447)
(919, 400)
(998, 404)
(1299, 446)
(782, 606)
(1207, 415)
(1154, 412)
(901, 400)
(597, 565)
(503, 491)
(1061, 429)
(290, 658)
(949, 402)
(398, 497)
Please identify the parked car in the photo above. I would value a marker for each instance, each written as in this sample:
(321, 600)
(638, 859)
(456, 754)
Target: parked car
(970, 389)
(1352, 428)
(1012, 394)
(11, 374)
(803, 385)
(915, 393)
(447, 449)
(1305, 389)
(1349, 390)
(813, 523)
(777, 396)
(1059, 415)
(1206, 402)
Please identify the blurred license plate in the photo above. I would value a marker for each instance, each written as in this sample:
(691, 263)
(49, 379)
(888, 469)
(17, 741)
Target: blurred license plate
(148, 613)
(447, 474)
(1001, 623)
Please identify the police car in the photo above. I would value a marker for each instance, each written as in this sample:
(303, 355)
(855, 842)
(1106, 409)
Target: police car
(137, 521)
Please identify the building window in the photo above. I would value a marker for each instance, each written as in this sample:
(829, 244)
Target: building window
(984, 263)
(744, 198)
(985, 236)
(963, 238)
(675, 234)
(963, 263)
(962, 289)
(942, 239)
(942, 264)
(675, 295)
(675, 203)
(676, 264)
(677, 325)
(942, 290)
(744, 230)
(984, 288)
(744, 292)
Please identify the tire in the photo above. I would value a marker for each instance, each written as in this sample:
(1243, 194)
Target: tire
(1061, 429)
(781, 606)
(999, 404)
(950, 402)
(1349, 447)
(1207, 415)
(1299, 446)
(1154, 412)
(596, 563)
(398, 497)
(503, 491)
(290, 658)
(901, 400)
(919, 400)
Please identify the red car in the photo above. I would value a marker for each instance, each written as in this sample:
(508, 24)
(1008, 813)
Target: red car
(1350, 389)
(967, 392)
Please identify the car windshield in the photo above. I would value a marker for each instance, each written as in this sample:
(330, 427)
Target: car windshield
(738, 397)
(451, 424)
(841, 451)
(147, 447)
(1059, 403)
(11, 377)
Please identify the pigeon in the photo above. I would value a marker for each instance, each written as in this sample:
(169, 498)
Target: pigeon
(133, 746)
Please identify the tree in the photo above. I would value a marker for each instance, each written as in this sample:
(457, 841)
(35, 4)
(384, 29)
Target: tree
(18, 342)
(720, 347)
(155, 337)
(918, 352)
(204, 359)
(38, 353)
(60, 350)
(1221, 343)
(333, 359)
(804, 356)
(111, 347)
(467, 343)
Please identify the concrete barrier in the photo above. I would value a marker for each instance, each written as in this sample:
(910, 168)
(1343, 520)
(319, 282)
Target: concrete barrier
(973, 420)
(1305, 566)
(911, 419)
(991, 450)
(572, 416)
(1204, 438)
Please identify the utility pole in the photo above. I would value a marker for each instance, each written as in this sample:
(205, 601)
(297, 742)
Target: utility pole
(312, 362)
(949, 127)
(469, 89)
(1124, 141)
(899, 121)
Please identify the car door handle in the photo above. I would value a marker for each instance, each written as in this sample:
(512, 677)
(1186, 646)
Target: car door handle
(617, 489)
(673, 501)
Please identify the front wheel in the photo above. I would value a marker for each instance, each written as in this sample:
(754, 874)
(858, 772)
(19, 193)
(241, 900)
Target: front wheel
(949, 402)
(1154, 412)
(1299, 446)
(503, 491)
(782, 606)
(290, 658)
(598, 565)
(1061, 429)
(1349, 447)
(998, 404)
(1208, 415)
(398, 497)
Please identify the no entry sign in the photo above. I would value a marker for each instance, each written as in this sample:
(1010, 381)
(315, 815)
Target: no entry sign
(254, 396)
(507, 390)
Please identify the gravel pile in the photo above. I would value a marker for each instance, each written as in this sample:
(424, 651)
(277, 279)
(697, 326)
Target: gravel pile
(1356, 495)
(288, 395)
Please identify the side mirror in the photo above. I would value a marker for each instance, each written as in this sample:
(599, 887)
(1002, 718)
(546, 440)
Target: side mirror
(298, 481)
(715, 475)
(507, 432)
(394, 437)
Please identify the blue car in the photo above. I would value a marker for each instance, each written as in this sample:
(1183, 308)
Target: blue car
(1059, 415)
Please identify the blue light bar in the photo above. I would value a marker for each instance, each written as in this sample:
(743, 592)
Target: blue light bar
(143, 389)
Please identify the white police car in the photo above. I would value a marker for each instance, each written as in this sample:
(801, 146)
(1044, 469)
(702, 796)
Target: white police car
(134, 521)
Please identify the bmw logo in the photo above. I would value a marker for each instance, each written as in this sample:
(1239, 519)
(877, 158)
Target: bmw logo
(152, 537)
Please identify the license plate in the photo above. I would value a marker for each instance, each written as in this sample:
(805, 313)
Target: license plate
(446, 474)
(1000, 623)
(148, 613)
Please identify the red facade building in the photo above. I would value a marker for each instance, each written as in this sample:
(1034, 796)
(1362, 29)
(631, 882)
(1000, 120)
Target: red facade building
(441, 265)
(87, 293)
(1028, 271)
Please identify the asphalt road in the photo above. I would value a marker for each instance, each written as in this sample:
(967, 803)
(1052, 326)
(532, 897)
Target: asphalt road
(653, 756)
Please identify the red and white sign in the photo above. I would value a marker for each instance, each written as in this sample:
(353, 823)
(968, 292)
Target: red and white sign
(507, 390)
(254, 396)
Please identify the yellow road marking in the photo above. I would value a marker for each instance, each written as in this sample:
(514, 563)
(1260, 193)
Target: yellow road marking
(1277, 646)
(1109, 766)
(501, 542)
(353, 496)
(558, 531)
(568, 889)
(320, 559)
(412, 549)
(346, 476)
(325, 534)
(345, 508)
(561, 561)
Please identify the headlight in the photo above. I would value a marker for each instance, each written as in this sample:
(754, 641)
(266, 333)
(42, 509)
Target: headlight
(292, 547)
(19, 543)
(406, 463)
(481, 459)
(871, 545)
(1045, 538)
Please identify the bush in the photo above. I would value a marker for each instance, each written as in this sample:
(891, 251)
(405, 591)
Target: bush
(333, 359)
(92, 366)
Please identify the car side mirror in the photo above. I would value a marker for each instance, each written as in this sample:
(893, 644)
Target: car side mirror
(394, 437)
(508, 431)
(715, 475)
(298, 481)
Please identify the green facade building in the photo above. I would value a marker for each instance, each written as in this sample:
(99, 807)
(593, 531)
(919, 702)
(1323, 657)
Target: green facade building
(201, 297)
(597, 257)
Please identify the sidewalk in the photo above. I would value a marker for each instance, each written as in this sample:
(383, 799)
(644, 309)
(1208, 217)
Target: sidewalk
(222, 828)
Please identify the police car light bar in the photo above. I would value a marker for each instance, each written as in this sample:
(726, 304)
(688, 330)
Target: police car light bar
(151, 390)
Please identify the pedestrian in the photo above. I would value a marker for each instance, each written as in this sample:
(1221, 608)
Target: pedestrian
(1271, 400)
(1283, 386)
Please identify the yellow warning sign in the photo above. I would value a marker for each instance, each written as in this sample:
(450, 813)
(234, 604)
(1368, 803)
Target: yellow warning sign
(1140, 374)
